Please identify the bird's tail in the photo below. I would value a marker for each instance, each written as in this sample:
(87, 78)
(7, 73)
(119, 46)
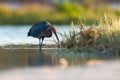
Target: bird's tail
(28, 34)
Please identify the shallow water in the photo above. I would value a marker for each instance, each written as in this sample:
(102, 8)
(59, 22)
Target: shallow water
(28, 57)
(27, 63)
(103, 71)
(56, 64)
(18, 35)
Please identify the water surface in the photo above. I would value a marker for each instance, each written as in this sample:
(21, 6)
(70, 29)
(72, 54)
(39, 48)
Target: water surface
(27, 63)
(55, 64)
(18, 35)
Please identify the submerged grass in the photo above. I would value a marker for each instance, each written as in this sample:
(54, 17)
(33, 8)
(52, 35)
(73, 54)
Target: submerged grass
(104, 39)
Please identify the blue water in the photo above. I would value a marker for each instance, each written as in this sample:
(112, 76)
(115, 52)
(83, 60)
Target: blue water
(18, 35)
(53, 64)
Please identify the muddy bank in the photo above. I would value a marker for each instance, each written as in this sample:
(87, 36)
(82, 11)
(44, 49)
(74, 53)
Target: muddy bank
(23, 46)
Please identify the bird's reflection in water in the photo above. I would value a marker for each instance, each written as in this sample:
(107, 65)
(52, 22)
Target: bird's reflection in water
(48, 57)
(43, 59)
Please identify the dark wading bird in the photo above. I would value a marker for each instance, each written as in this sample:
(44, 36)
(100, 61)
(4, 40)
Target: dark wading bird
(41, 30)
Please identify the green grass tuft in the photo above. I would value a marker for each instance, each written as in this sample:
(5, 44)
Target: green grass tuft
(105, 38)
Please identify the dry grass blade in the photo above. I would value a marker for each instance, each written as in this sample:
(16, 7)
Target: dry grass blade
(105, 37)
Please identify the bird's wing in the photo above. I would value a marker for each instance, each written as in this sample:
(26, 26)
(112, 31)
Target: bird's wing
(37, 29)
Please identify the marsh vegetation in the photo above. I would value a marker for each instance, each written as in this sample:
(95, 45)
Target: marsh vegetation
(105, 38)
(91, 51)
(64, 13)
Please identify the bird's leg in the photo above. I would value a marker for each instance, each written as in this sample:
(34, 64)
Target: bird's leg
(42, 40)
(40, 43)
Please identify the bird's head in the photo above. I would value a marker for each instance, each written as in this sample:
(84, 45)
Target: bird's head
(53, 29)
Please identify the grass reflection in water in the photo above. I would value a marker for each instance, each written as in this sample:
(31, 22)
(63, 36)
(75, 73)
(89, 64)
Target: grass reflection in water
(25, 57)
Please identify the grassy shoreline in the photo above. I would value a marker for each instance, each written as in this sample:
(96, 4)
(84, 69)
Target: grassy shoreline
(104, 39)
(60, 14)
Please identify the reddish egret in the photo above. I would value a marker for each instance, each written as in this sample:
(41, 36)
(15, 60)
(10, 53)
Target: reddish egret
(41, 30)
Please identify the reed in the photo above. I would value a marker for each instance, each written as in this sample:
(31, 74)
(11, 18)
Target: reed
(103, 38)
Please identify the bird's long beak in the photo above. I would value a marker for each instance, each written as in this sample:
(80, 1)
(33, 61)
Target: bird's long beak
(57, 40)
(52, 28)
